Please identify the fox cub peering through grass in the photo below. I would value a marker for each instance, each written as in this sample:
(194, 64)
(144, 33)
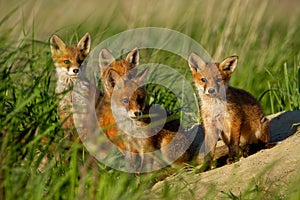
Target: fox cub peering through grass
(232, 113)
(128, 102)
(68, 60)
(111, 70)
(124, 93)
(143, 136)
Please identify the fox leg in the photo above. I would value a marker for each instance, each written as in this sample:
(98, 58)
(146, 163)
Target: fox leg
(246, 150)
(146, 162)
(141, 159)
(209, 158)
(210, 141)
(128, 160)
(233, 146)
(264, 137)
(131, 159)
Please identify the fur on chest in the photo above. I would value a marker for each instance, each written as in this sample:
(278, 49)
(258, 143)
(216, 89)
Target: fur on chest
(213, 107)
(63, 90)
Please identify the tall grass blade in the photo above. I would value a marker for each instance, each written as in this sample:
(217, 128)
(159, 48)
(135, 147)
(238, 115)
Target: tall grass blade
(299, 80)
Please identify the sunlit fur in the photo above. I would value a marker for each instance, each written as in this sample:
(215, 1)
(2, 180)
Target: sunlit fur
(128, 103)
(111, 71)
(141, 135)
(231, 113)
(68, 60)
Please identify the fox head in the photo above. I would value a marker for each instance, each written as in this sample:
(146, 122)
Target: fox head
(129, 96)
(211, 79)
(111, 69)
(68, 59)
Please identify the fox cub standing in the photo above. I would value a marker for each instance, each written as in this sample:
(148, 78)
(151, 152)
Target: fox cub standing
(230, 112)
(68, 60)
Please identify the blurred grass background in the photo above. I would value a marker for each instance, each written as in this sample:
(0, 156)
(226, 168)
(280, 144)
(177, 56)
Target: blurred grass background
(264, 34)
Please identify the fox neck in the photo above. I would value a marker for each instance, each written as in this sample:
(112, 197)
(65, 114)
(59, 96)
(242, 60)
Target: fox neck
(131, 127)
(64, 81)
(213, 108)
(137, 128)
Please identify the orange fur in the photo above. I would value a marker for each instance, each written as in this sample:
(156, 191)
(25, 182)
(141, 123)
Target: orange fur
(109, 69)
(232, 113)
(140, 135)
(128, 100)
(68, 60)
(122, 92)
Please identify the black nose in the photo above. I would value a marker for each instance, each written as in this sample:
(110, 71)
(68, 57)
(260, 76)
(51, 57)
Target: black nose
(138, 113)
(75, 71)
(211, 90)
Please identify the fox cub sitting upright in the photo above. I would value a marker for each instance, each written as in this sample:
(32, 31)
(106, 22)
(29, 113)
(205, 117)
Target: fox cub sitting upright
(230, 112)
(68, 60)
(153, 144)
(128, 100)
(111, 70)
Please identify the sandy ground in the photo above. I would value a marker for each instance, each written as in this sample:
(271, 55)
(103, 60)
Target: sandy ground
(269, 171)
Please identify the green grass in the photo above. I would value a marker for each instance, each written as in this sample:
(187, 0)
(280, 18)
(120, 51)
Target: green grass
(264, 35)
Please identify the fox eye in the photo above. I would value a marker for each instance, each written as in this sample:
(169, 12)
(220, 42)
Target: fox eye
(219, 80)
(125, 100)
(67, 62)
(204, 80)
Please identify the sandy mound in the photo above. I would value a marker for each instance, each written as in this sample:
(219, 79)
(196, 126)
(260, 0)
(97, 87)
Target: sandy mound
(269, 171)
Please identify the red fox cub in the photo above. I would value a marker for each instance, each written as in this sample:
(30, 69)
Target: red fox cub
(68, 60)
(111, 70)
(140, 136)
(232, 113)
(128, 102)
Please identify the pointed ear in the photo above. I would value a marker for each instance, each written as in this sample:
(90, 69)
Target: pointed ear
(105, 59)
(133, 57)
(195, 62)
(228, 65)
(56, 44)
(110, 81)
(119, 82)
(84, 44)
(141, 78)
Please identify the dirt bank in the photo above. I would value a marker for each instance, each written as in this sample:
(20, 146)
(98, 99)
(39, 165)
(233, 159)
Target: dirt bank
(268, 172)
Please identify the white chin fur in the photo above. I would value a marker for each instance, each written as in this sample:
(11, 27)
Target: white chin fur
(61, 71)
(131, 114)
(200, 90)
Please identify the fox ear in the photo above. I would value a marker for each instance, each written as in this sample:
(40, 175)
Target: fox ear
(196, 63)
(142, 76)
(56, 44)
(105, 59)
(110, 81)
(85, 44)
(133, 57)
(228, 65)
